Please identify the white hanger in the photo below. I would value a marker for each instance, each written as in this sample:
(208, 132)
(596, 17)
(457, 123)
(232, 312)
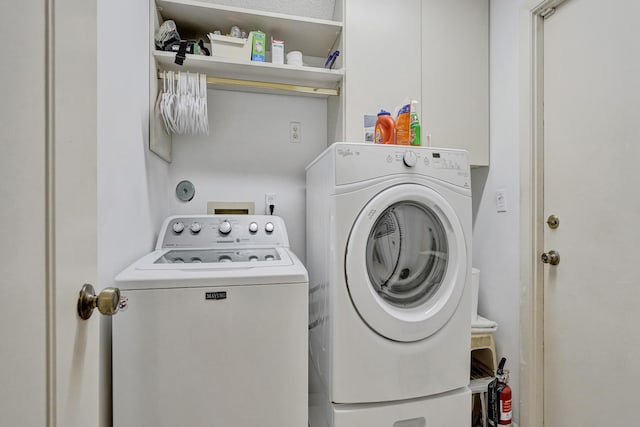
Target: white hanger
(183, 103)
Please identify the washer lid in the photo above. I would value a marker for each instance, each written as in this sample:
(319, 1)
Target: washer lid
(206, 259)
(406, 263)
(148, 273)
(199, 256)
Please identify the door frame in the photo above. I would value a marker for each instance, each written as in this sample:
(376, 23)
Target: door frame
(531, 85)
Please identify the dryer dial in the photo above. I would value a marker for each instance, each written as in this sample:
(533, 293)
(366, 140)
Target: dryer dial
(410, 159)
(177, 227)
(195, 227)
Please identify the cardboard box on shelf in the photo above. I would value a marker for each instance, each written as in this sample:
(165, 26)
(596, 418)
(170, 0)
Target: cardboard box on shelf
(277, 51)
(258, 46)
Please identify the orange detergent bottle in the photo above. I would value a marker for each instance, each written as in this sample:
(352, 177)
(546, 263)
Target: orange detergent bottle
(385, 128)
(403, 134)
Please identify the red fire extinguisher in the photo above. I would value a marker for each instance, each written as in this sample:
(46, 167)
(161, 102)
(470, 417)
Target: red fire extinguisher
(500, 404)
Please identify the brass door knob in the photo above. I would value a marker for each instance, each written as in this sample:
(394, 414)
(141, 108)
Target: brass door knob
(106, 301)
(552, 257)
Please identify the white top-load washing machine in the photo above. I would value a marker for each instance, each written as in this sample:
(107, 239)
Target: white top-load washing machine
(389, 260)
(212, 328)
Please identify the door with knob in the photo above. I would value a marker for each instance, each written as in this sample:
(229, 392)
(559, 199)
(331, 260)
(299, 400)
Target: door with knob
(591, 211)
(49, 355)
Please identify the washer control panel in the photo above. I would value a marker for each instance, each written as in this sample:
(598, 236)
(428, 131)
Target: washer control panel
(215, 231)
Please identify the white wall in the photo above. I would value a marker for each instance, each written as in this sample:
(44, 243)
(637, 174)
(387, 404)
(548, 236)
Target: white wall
(248, 154)
(132, 182)
(496, 241)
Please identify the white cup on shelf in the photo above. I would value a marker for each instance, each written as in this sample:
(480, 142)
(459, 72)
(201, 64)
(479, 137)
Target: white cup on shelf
(294, 58)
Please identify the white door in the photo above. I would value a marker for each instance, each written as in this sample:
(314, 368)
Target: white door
(591, 163)
(48, 356)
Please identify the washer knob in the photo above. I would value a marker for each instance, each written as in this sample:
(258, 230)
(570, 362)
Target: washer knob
(195, 227)
(410, 159)
(178, 227)
(268, 227)
(253, 227)
(224, 227)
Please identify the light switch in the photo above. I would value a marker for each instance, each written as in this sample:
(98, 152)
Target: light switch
(501, 200)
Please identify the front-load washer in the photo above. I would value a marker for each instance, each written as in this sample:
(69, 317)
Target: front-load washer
(212, 328)
(389, 251)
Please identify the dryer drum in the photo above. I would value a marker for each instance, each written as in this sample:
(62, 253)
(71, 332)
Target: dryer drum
(407, 254)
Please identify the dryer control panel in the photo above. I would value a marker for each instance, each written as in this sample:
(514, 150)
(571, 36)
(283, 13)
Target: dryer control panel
(219, 231)
(360, 162)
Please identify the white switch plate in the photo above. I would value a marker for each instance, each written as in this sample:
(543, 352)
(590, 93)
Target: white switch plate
(501, 200)
(295, 132)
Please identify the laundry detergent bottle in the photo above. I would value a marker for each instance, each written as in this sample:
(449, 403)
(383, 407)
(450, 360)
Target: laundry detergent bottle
(403, 123)
(414, 125)
(385, 128)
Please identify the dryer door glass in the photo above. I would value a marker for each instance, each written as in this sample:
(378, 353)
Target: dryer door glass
(407, 254)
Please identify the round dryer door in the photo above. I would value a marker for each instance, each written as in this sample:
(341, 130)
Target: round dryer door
(406, 262)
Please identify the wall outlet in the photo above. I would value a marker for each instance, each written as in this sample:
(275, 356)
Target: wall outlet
(295, 132)
(269, 200)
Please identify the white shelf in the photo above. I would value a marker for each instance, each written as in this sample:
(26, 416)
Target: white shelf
(314, 37)
(257, 72)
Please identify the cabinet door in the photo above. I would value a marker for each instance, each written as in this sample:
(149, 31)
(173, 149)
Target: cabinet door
(455, 76)
(382, 58)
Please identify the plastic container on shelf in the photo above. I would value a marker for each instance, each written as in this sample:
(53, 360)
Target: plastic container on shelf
(231, 47)
(385, 129)
(294, 58)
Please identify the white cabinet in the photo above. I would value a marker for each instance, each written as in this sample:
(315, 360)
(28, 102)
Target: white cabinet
(382, 59)
(455, 76)
(435, 51)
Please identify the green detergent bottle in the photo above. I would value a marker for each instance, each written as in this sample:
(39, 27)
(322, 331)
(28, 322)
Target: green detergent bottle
(414, 125)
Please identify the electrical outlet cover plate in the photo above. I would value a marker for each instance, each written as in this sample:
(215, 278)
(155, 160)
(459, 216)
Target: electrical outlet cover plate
(269, 199)
(295, 132)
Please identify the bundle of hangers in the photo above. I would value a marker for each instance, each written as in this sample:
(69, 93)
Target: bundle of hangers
(183, 103)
